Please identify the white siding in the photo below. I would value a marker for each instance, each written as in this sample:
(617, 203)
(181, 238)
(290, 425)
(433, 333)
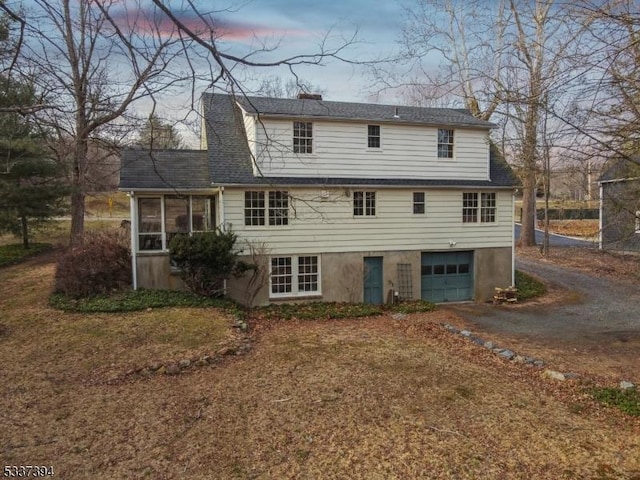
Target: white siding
(250, 129)
(340, 150)
(319, 225)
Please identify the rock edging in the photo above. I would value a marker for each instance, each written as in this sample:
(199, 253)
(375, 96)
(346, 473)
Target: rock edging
(530, 361)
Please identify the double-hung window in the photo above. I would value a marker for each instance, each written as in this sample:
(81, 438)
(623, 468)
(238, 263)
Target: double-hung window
(254, 208)
(275, 208)
(484, 202)
(302, 137)
(418, 203)
(364, 204)
(488, 207)
(278, 208)
(445, 143)
(373, 136)
(295, 276)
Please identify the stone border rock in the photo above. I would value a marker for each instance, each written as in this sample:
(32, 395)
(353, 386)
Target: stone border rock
(512, 356)
(175, 367)
(508, 354)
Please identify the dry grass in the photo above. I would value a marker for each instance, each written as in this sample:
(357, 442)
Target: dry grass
(573, 228)
(592, 261)
(373, 398)
(97, 204)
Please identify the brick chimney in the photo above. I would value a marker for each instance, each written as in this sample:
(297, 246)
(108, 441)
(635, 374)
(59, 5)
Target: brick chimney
(309, 96)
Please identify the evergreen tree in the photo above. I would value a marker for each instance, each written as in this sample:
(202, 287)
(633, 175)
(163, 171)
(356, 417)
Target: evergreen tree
(32, 189)
(158, 135)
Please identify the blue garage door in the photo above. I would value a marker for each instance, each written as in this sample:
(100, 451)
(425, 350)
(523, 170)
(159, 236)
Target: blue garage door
(447, 276)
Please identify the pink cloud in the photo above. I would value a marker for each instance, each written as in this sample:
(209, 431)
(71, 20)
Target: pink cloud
(149, 20)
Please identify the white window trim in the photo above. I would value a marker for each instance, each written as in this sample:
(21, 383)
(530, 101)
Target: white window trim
(413, 203)
(266, 212)
(294, 278)
(364, 204)
(453, 144)
(312, 137)
(479, 209)
(373, 149)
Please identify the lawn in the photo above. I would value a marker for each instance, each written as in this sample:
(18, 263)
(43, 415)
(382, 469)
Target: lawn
(369, 398)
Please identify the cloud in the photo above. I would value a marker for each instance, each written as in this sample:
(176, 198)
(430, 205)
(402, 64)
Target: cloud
(151, 20)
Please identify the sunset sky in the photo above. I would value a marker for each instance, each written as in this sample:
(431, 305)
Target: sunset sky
(297, 27)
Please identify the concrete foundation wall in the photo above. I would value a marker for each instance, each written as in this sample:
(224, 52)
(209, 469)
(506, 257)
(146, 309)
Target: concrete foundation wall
(342, 276)
(154, 271)
(492, 268)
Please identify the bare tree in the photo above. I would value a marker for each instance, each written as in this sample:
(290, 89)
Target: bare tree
(501, 59)
(92, 60)
(276, 86)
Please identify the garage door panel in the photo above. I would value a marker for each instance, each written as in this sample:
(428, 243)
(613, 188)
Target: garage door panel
(447, 276)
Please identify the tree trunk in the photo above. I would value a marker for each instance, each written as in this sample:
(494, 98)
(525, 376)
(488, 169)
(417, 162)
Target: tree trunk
(25, 232)
(528, 230)
(78, 193)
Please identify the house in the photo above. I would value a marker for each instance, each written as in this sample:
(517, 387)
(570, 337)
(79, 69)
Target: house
(345, 201)
(620, 205)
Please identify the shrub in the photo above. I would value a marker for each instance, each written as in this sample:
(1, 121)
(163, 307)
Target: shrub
(206, 259)
(101, 265)
(528, 287)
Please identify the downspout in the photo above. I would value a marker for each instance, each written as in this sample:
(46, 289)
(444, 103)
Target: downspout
(600, 215)
(513, 239)
(222, 228)
(221, 210)
(133, 227)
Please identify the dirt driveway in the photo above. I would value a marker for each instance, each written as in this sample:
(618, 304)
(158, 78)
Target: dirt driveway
(586, 324)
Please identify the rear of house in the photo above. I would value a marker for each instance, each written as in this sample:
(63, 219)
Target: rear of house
(336, 201)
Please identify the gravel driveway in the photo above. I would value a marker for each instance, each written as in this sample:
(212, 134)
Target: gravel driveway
(596, 310)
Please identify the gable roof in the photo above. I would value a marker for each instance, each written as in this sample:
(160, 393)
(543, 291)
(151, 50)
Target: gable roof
(308, 108)
(227, 162)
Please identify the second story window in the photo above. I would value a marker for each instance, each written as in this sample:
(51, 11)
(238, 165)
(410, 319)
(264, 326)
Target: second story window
(364, 204)
(486, 205)
(257, 208)
(445, 143)
(254, 208)
(278, 208)
(302, 137)
(373, 136)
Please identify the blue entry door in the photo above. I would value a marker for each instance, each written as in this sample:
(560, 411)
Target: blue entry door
(373, 291)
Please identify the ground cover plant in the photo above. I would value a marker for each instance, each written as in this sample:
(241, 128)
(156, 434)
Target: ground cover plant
(627, 400)
(369, 398)
(528, 286)
(14, 253)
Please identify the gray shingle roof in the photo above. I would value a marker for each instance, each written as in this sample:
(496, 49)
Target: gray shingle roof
(620, 168)
(228, 159)
(287, 107)
(164, 169)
